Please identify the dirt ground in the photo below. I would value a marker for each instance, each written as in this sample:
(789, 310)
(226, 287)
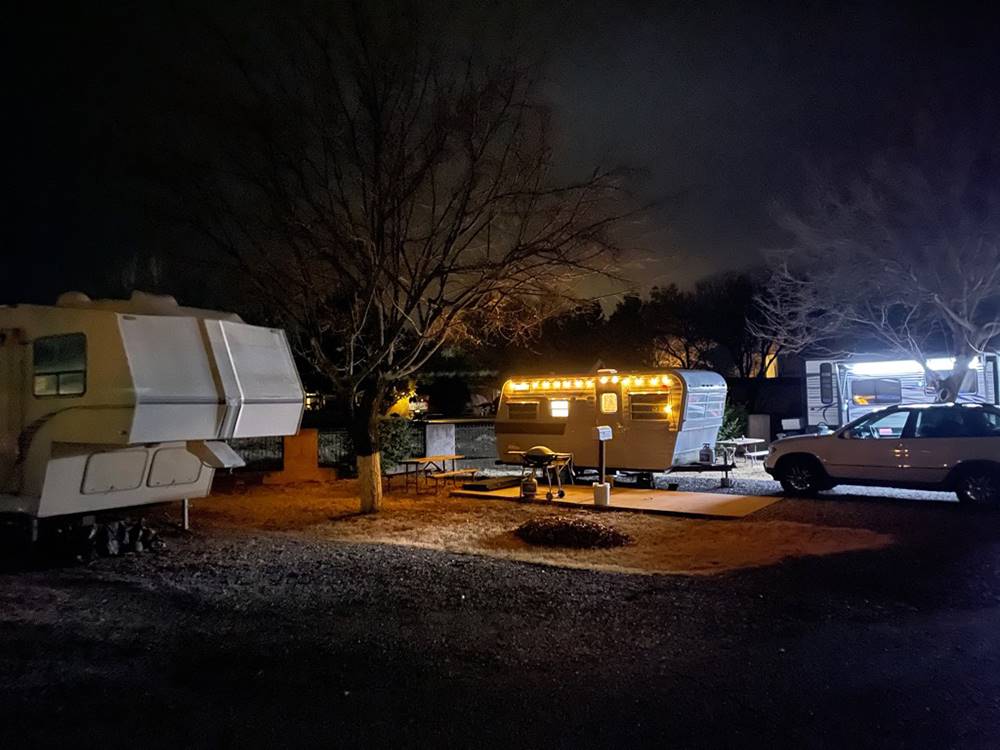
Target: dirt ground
(663, 544)
(846, 621)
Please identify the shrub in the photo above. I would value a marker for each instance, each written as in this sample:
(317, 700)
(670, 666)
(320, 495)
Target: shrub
(397, 438)
(560, 531)
(734, 422)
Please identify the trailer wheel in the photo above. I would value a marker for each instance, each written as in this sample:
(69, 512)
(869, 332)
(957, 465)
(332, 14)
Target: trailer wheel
(801, 475)
(979, 486)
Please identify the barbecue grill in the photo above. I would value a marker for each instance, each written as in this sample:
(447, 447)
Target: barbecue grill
(544, 460)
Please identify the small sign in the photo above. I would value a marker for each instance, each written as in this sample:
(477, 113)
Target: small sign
(602, 433)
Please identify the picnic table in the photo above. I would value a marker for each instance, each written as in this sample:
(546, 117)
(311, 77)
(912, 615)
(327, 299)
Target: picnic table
(432, 467)
(745, 443)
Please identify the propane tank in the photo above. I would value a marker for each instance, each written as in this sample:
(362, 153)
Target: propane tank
(706, 455)
(529, 487)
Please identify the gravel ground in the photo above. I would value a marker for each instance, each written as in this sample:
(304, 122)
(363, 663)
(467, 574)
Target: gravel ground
(243, 635)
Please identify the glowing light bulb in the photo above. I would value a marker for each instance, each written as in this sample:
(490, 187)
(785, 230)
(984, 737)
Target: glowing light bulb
(614, 378)
(640, 380)
(590, 383)
(546, 385)
(578, 384)
(604, 379)
(655, 380)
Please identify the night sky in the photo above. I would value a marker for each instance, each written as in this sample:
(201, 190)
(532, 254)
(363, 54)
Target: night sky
(724, 106)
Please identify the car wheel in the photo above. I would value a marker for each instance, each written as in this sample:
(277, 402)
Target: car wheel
(979, 487)
(801, 476)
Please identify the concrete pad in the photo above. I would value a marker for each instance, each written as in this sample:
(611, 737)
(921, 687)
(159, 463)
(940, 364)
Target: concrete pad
(644, 501)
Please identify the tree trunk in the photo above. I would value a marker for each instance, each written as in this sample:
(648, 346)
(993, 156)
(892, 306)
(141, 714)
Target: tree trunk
(366, 411)
(370, 482)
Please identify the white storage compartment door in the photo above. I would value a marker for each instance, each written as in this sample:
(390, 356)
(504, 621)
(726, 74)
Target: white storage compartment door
(268, 381)
(174, 466)
(177, 396)
(114, 471)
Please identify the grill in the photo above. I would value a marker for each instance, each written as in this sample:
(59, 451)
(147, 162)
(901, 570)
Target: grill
(542, 459)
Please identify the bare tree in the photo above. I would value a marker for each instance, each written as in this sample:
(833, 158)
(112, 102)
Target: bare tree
(907, 257)
(385, 200)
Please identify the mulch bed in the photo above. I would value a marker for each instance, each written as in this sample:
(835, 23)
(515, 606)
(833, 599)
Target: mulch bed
(560, 531)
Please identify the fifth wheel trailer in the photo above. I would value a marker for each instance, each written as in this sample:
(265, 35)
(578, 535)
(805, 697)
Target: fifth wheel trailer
(108, 404)
(840, 390)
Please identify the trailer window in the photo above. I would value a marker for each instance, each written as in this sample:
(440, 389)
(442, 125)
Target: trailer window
(60, 365)
(559, 408)
(826, 383)
(650, 406)
(523, 410)
(876, 391)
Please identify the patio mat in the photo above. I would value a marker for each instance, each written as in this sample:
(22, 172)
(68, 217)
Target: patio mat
(708, 504)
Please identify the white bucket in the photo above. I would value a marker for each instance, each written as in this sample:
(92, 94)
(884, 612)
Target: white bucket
(602, 493)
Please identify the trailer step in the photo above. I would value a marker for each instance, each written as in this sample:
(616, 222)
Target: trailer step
(490, 484)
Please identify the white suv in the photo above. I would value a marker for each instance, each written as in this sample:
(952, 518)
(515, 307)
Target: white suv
(953, 447)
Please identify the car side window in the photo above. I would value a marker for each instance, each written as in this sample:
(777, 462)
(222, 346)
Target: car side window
(941, 422)
(881, 427)
(980, 422)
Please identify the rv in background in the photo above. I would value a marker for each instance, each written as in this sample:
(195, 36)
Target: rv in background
(658, 418)
(107, 404)
(839, 390)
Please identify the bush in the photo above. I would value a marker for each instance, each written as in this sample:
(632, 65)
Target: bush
(397, 440)
(560, 531)
(734, 422)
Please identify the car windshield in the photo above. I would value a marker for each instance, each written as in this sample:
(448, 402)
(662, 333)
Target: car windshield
(878, 426)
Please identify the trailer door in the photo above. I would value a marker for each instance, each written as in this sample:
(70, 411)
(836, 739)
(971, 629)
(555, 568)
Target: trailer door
(608, 411)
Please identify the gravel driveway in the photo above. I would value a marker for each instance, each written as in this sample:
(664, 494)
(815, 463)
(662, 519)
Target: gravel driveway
(261, 635)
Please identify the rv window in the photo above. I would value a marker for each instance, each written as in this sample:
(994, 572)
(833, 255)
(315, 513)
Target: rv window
(969, 385)
(876, 391)
(609, 403)
(826, 383)
(523, 410)
(559, 408)
(650, 406)
(60, 365)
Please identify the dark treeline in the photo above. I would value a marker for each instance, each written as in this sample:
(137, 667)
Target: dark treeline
(702, 327)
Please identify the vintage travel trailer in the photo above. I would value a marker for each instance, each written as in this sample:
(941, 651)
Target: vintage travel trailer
(839, 390)
(115, 403)
(659, 419)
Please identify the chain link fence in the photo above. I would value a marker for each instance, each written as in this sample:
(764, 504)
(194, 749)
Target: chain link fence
(260, 453)
(474, 440)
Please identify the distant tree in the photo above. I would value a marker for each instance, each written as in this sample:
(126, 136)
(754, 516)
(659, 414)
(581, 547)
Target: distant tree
(626, 341)
(906, 257)
(384, 201)
(727, 310)
(678, 328)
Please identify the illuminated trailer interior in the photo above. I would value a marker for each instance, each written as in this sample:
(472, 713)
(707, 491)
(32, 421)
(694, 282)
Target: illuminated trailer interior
(659, 418)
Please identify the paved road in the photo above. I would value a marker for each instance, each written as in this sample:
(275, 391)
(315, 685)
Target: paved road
(238, 639)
